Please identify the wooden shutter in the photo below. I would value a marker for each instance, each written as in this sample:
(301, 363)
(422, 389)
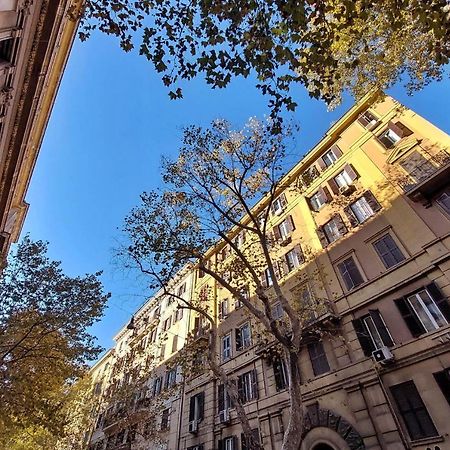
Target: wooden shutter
(321, 164)
(351, 216)
(276, 233)
(410, 317)
(201, 405)
(405, 131)
(220, 444)
(298, 250)
(326, 193)
(351, 172)
(241, 390)
(336, 150)
(238, 339)
(283, 200)
(340, 224)
(363, 337)
(254, 380)
(192, 408)
(372, 201)
(221, 397)
(381, 327)
(322, 237)
(440, 300)
(396, 129)
(235, 443)
(291, 223)
(333, 186)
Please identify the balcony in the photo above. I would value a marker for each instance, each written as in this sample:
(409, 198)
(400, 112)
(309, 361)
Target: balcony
(426, 177)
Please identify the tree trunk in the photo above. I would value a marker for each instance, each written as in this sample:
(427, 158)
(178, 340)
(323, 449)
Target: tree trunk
(294, 430)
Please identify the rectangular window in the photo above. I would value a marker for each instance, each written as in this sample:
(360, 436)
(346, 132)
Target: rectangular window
(389, 138)
(226, 347)
(284, 229)
(228, 443)
(413, 411)
(308, 176)
(153, 335)
(294, 258)
(277, 311)
(367, 120)
(388, 251)
(171, 378)
(223, 399)
(343, 179)
(248, 386)
(278, 205)
(174, 343)
(266, 280)
(243, 337)
(181, 290)
(443, 380)
(329, 158)
(280, 374)
(197, 407)
(167, 323)
(443, 201)
(424, 311)
(239, 239)
(318, 358)
(334, 229)
(223, 309)
(157, 386)
(372, 332)
(165, 419)
(350, 273)
(319, 199)
(362, 210)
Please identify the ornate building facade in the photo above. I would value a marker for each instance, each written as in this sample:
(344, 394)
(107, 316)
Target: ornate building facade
(367, 228)
(35, 40)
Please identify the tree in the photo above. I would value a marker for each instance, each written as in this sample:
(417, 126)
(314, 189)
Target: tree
(44, 342)
(212, 195)
(328, 46)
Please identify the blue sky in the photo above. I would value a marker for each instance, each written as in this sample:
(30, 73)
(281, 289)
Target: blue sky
(111, 123)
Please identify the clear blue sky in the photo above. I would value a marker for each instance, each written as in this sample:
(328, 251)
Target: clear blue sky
(111, 123)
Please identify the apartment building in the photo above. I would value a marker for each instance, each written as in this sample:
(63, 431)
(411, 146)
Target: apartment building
(35, 42)
(363, 226)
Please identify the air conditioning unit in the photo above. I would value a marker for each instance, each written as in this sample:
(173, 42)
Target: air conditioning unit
(224, 416)
(372, 124)
(383, 355)
(346, 190)
(193, 426)
(286, 241)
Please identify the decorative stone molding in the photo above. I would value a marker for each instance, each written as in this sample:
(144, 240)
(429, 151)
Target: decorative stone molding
(318, 417)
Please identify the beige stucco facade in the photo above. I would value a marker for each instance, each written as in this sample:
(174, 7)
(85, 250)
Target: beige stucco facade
(372, 228)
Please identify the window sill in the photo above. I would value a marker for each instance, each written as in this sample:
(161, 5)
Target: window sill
(427, 441)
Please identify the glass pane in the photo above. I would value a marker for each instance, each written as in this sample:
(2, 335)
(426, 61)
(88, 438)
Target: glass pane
(373, 332)
(432, 308)
(422, 314)
(444, 201)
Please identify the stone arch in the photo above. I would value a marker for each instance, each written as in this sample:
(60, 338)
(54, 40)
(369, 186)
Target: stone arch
(325, 427)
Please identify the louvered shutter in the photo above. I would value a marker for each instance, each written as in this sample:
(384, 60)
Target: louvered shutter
(409, 316)
(363, 337)
(351, 216)
(337, 151)
(321, 164)
(340, 224)
(396, 129)
(440, 300)
(298, 250)
(283, 200)
(221, 397)
(381, 327)
(254, 380)
(291, 223)
(235, 443)
(220, 444)
(322, 237)
(241, 390)
(326, 193)
(333, 186)
(276, 233)
(351, 172)
(372, 201)
(404, 130)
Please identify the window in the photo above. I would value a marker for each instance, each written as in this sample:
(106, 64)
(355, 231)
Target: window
(413, 411)
(153, 335)
(343, 179)
(332, 230)
(223, 309)
(372, 332)
(424, 311)
(197, 407)
(393, 134)
(308, 176)
(443, 380)
(245, 293)
(365, 207)
(280, 374)
(367, 120)
(6, 51)
(248, 386)
(388, 251)
(284, 229)
(443, 200)
(171, 378)
(243, 337)
(330, 157)
(266, 279)
(226, 347)
(278, 205)
(157, 386)
(294, 258)
(178, 315)
(350, 273)
(165, 419)
(167, 323)
(196, 447)
(223, 398)
(239, 239)
(162, 352)
(319, 199)
(277, 311)
(228, 443)
(318, 358)
(174, 343)
(181, 290)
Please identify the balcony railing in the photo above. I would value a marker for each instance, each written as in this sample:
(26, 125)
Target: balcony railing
(427, 176)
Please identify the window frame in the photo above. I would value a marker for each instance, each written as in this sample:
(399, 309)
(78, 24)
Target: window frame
(381, 255)
(223, 348)
(318, 358)
(243, 343)
(340, 263)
